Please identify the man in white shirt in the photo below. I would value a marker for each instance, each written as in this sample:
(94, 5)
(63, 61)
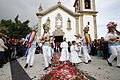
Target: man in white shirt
(31, 50)
(46, 47)
(2, 50)
(86, 39)
(113, 43)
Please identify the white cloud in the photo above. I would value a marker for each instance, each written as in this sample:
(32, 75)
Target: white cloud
(108, 10)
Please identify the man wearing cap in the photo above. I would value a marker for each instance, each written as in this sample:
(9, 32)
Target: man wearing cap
(113, 43)
(32, 47)
(86, 39)
(46, 47)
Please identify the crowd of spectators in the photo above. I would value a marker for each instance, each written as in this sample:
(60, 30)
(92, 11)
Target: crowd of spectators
(10, 49)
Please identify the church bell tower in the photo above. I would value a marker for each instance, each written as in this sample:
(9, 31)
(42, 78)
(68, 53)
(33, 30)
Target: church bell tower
(88, 13)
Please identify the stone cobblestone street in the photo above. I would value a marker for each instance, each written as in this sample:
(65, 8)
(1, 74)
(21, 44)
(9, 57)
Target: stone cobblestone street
(98, 68)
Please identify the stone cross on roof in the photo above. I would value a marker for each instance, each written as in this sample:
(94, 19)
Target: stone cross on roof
(40, 7)
(59, 2)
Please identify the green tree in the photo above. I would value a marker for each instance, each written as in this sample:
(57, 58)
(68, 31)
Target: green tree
(14, 29)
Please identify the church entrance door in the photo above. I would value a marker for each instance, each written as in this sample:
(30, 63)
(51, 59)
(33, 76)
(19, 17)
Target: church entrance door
(58, 39)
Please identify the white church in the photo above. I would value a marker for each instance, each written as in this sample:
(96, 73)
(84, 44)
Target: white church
(65, 23)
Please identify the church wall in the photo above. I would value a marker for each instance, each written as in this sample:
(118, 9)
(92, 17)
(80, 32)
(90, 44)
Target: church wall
(86, 19)
(69, 35)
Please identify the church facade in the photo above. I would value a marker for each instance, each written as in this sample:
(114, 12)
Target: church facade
(65, 23)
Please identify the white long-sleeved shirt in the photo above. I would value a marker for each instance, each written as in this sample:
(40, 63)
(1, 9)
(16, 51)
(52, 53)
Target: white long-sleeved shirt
(74, 48)
(64, 45)
(2, 46)
(107, 38)
(78, 41)
(108, 35)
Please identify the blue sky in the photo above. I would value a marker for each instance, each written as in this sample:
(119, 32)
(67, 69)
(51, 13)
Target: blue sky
(26, 9)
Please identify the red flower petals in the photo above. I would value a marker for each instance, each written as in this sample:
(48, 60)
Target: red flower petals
(65, 72)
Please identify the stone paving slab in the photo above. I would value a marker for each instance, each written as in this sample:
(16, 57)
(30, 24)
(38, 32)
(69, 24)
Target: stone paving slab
(5, 72)
(100, 69)
(36, 71)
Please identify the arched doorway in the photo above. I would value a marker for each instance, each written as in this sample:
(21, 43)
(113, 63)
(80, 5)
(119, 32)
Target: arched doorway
(58, 35)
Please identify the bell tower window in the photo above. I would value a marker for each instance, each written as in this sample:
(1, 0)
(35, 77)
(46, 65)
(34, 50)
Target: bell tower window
(87, 4)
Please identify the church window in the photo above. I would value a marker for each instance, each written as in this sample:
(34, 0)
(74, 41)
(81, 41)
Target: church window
(68, 24)
(88, 23)
(59, 21)
(87, 4)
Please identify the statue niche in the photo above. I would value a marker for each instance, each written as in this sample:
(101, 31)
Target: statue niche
(58, 21)
(58, 31)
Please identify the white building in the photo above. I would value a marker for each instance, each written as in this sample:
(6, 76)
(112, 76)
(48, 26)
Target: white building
(65, 23)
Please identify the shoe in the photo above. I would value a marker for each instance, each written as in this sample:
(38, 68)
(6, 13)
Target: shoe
(31, 65)
(110, 64)
(49, 65)
(118, 66)
(45, 68)
(104, 58)
(1, 66)
(89, 61)
(26, 66)
(4, 62)
(74, 65)
(85, 62)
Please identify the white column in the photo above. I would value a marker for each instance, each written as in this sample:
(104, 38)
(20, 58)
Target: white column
(95, 26)
(39, 25)
(93, 4)
(81, 25)
(77, 25)
(81, 5)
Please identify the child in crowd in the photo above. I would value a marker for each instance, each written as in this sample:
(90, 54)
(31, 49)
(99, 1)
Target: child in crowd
(74, 59)
(64, 54)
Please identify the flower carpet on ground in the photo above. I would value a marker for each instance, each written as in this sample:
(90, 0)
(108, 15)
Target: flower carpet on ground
(65, 71)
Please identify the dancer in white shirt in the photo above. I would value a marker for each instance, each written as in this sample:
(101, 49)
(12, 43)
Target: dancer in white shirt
(32, 47)
(86, 39)
(113, 39)
(46, 47)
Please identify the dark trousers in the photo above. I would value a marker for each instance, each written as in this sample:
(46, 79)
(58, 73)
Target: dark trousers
(105, 53)
(8, 55)
(1, 57)
(93, 51)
